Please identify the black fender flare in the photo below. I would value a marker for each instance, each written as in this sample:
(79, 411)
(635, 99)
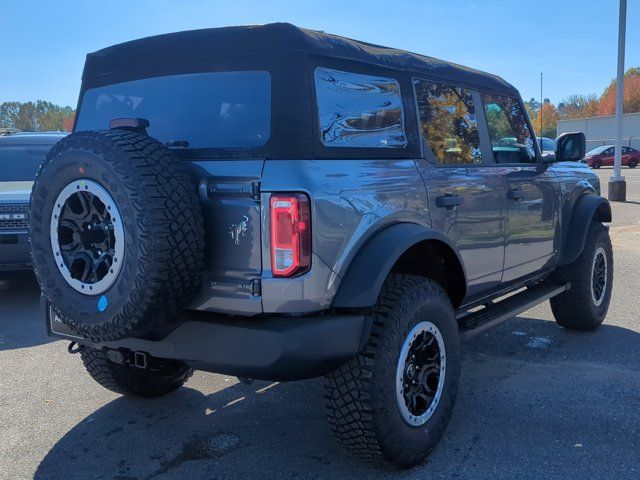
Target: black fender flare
(588, 208)
(370, 267)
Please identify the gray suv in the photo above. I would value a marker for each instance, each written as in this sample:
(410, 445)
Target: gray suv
(20, 156)
(277, 203)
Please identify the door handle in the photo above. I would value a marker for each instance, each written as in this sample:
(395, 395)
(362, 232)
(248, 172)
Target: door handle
(449, 201)
(515, 194)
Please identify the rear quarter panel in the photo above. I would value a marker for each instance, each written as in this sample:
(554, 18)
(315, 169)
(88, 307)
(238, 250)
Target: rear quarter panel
(350, 201)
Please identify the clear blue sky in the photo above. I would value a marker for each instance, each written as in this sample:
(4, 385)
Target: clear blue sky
(573, 42)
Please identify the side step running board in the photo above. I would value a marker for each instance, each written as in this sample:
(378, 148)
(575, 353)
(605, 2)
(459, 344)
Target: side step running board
(495, 313)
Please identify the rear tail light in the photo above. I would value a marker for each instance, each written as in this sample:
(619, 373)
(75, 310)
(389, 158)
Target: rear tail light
(290, 234)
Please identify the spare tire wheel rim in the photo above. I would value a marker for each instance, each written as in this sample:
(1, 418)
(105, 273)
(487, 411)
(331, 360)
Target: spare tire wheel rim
(87, 237)
(599, 274)
(420, 374)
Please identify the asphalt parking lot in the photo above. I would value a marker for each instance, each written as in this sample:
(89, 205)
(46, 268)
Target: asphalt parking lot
(535, 402)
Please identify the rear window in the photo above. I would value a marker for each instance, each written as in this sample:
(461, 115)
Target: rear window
(357, 110)
(20, 164)
(205, 110)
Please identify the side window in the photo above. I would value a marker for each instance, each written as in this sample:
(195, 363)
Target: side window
(357, 110)
(448, 122)
(511, 139)
(608, 151)
(626, 149)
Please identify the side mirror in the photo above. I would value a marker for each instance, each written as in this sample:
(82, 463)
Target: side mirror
(570, 147)
(548, 157)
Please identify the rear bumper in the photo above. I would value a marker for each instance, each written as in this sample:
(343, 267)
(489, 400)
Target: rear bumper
(14, 250)
(267, 348)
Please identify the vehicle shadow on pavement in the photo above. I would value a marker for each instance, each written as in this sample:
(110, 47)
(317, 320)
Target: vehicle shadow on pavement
(258, 431)
(21, 324)
(535, 401)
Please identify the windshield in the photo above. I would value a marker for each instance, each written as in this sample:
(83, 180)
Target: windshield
(20, 163)
(598, 150)
(200, 110)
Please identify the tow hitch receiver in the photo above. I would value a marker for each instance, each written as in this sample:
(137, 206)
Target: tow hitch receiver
(127, 357)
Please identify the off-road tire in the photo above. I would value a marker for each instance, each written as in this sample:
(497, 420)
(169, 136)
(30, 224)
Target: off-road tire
(132, 381)
(361, 402)
(575, 309)
(163, 233)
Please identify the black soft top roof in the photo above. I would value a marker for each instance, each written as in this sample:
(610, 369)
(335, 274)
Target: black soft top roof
(192, 50)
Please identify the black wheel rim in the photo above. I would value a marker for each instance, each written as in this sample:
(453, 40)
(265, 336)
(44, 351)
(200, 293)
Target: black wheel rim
(87, 237)
(420, 374)
(599, 278)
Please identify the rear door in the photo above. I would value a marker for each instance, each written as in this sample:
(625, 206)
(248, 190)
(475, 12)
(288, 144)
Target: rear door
(532, 189)
(466, 198)
(230, 197)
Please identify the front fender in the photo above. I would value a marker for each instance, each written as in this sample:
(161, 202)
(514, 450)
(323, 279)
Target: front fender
(371, 266)
(588, 208)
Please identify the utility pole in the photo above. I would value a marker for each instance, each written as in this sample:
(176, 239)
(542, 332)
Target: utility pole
(540, 112)
(617, 183)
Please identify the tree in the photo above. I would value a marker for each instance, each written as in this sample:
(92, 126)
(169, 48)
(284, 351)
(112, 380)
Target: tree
(631, 103)
(550, 117)
(26, 119)
(35, 116)
(530, 111)
(578, 106)
(532, 106)
(68, 121)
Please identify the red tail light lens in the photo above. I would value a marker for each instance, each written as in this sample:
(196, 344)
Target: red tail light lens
(290, 234)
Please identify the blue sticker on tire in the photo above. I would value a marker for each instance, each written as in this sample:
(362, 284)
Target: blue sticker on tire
(102, 303)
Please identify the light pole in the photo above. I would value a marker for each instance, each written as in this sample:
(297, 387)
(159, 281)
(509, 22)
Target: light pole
(617, 183)
(541, 107)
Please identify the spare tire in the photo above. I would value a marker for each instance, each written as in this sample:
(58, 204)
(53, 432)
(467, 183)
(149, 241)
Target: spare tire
(116, 234)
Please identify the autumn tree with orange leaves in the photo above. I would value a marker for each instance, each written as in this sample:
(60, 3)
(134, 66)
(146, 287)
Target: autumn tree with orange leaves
(585, 106)
(631, 90)
(550, 117)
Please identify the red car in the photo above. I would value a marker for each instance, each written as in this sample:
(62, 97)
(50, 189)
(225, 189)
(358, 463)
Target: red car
(600, 156)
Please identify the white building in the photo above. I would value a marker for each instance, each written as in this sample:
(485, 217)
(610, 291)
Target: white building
(601, 130)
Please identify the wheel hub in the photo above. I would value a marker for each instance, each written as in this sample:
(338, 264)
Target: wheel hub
(420, 374)
(87, 237)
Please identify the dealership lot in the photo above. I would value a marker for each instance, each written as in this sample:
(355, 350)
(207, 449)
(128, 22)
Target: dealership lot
(535, 402)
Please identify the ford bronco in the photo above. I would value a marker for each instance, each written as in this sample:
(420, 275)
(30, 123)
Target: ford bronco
(277, 203)
(20, 156)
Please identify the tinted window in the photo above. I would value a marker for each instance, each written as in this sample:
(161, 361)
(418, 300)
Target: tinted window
(510, 136)
(20, 164)
(608, 151)
(359, 110)
(448, 122)
(207, 110)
